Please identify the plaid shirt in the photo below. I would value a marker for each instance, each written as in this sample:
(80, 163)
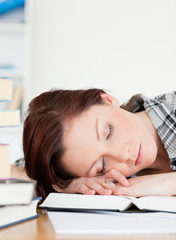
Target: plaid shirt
(162, 112)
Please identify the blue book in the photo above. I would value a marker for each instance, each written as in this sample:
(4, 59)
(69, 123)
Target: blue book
(11, 215)
(7, 5)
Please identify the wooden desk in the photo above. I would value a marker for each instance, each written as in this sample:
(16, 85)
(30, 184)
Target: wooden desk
(41, 229)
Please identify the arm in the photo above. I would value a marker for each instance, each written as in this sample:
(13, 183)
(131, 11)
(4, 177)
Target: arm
(157, 184)
(103, 185)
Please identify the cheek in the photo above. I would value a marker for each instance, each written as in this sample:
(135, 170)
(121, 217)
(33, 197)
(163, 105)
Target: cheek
(127, 127)
(131, 128)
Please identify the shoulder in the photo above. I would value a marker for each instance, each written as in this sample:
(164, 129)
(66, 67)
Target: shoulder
(162, 112)
(167, 100)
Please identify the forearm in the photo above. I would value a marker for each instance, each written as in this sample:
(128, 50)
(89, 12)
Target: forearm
(163, 184)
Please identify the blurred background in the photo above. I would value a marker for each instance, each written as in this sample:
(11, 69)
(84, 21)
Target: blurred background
(123, 46)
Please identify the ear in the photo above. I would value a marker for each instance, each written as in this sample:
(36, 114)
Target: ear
(109, 99)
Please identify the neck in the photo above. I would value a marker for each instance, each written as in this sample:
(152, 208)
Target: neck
(161, 164)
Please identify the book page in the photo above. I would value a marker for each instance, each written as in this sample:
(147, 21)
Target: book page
(119, 223)
(9, 118)
(5, 89)
(80, 201)
(156, 203)
(4, 161)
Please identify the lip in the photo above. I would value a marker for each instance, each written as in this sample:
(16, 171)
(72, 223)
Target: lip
(140, 156)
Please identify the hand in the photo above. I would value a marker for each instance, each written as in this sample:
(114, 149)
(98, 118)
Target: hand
(157, 184)
(103, 185)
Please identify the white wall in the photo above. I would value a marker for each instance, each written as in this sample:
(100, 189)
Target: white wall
(125, 46)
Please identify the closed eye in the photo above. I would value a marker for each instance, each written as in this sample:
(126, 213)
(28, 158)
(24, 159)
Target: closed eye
(102, 171)
(111, 130)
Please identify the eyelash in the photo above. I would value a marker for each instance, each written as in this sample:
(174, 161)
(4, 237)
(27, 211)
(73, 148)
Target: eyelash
(103, 168)
(111, 130)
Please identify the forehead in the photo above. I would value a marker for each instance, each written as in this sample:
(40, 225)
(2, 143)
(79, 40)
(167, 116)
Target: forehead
(81, 124)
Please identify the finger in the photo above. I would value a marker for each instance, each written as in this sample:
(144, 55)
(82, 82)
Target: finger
(111, 186)
(117, 176)
(81, 188)
(98, 188)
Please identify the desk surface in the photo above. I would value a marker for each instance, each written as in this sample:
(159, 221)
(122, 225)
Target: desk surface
(41, 229)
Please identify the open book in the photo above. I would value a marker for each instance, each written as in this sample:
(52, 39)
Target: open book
(88, 203)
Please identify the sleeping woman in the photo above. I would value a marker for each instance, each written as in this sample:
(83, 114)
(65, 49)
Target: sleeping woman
(84, 141)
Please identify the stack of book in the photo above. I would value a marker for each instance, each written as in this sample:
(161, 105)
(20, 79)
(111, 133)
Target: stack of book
(17, 203)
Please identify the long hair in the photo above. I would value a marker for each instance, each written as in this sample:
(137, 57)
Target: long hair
(44, 129)
(43, 134)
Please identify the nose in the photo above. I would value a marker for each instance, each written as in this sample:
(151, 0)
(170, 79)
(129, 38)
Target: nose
(122, 154)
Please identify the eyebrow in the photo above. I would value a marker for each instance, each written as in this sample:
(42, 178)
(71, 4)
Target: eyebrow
(98, 137)
(96, 128)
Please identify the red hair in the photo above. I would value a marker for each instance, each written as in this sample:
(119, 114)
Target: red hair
(43, 134)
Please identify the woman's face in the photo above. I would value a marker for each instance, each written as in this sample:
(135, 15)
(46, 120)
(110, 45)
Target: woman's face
(107, 137)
